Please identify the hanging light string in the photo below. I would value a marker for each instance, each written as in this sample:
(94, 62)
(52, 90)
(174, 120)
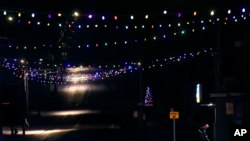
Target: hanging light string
(53, 74)
(165, 26)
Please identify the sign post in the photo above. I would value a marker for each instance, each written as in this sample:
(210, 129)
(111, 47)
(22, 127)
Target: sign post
(174, 115)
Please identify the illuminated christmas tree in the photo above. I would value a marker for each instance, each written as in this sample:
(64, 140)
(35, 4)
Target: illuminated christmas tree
(148, 100)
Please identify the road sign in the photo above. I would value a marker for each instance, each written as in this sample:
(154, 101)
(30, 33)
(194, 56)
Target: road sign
(174, 115)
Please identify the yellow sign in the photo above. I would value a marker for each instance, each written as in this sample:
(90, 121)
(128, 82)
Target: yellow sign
(174, 115)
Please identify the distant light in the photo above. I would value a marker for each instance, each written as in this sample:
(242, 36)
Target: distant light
(60, 25)
(48, 24)
(10, 18)
(212, 13)
(198, 94)
(228, 11)
(131, 17)
(59, 14)
(179, 15)
(90, 16)
(4, 13)
(165, 12)
(103, 17)
(19, 14)
(211, 105)
(38, 23)
(195, 13)
(49, 16)
(146, 16)
(22, 61)
(33, 15)
(243, 10)
(183, 32)
(76, 14)
(116, 18)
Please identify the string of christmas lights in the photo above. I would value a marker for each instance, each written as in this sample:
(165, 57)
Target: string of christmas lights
(65, 74)
(165, 30)
(58, 19)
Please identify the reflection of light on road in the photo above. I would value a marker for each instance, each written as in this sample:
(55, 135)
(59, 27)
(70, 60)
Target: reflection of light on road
(77, 88)
(48, 132)
(7, 131)
(66, 113)
(54, 131)
(78, 94)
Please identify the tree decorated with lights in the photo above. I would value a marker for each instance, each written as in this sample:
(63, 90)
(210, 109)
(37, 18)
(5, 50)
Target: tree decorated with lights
(148, 100)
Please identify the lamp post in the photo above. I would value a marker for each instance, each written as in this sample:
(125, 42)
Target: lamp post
(212, 105)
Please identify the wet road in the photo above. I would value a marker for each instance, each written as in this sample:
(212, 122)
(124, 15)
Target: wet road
(78, 125)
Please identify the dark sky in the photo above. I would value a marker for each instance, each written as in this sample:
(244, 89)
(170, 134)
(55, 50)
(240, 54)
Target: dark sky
(128, 5)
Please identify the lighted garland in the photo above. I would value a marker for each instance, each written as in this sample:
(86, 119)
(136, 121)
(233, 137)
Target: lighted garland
(165, 31)
(76, 19)
(53, 74)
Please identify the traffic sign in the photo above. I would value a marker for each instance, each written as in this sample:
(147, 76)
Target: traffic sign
(174, 115)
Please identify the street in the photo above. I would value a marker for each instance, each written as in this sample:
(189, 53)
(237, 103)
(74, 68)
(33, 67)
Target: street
(81, 125)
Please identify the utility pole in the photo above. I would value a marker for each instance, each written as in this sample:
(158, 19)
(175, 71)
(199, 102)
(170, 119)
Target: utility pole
(217, 73)
(141, 109)
(26, 83)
